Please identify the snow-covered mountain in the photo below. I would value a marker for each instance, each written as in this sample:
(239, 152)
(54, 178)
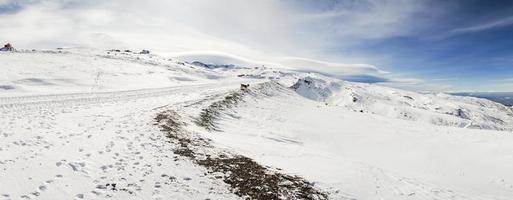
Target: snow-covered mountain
(358, 155)
(437, 108)
(88, 70)
(91, 124)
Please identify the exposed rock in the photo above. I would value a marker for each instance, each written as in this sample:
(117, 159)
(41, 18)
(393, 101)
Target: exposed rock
(7, 47)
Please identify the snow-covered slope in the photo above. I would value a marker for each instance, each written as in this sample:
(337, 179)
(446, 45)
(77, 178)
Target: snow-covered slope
(368, 156)
(439, 108)
(80, 124)
(87, 70)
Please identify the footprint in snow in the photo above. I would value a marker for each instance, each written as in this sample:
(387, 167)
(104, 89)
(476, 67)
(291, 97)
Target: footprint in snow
(36, 194)
(79, 196)
(95, 192)
(77, 166)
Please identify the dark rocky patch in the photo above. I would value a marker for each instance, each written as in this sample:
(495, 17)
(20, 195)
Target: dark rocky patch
(247, 178)
(211, 113)
(250, 179)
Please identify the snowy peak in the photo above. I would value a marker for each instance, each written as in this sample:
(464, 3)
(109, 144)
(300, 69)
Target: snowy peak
(217, 60)
(211, 66)
(439, 109)
(316, 89)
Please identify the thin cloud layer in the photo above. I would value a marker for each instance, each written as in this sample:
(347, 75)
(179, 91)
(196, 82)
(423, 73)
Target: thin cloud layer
(497, 23)
(260, 30)
(327, 36)
(279, 28)
(330, 67)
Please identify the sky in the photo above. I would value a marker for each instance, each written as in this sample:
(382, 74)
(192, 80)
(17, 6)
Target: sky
(427, 45)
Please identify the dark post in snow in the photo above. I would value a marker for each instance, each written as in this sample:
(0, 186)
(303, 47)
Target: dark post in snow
(7, 47)
(244, 86)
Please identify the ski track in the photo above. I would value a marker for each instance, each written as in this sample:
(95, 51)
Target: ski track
(9, 103)
(98, 146)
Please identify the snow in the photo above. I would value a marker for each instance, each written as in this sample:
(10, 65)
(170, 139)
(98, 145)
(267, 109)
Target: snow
(79, 124)
(80, 136)
(439, 109)
(369, 156)
(62, 147)
(86, 70)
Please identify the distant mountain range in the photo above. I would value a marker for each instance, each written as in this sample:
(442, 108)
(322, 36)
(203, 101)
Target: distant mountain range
(505, 98)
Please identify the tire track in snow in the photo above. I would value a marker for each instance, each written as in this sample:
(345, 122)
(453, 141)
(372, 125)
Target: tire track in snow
(9, 103)
(106, 138)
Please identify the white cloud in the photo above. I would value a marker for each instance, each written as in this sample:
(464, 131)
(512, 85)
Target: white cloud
(269, 27)
(261, 30)
(218, 58)
(486, 26)
(5, 2)
(337, 68)
(295, 63)
(504, 81)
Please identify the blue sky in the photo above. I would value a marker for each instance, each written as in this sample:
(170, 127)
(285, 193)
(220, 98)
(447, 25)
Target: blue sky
(468, 47)
(438, 45)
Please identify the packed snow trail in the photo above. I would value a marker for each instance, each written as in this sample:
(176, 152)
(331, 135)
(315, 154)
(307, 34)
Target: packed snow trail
(100, 97)
(99, 145)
